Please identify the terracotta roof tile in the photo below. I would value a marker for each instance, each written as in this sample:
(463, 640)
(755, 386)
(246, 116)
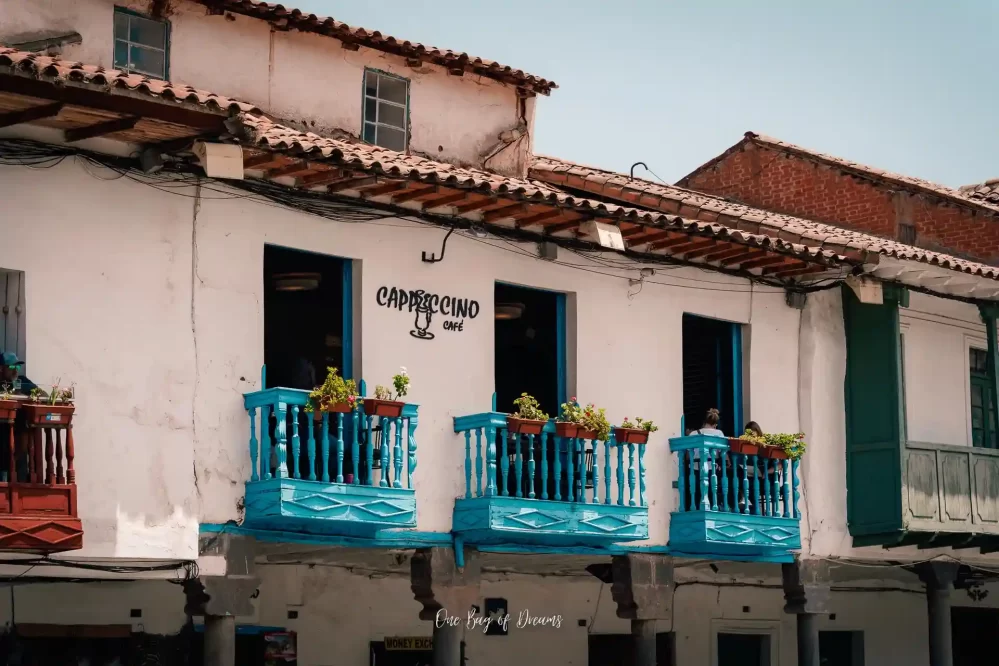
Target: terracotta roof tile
(987, 191)
(771, 225)
(57, 70)
(453, 60)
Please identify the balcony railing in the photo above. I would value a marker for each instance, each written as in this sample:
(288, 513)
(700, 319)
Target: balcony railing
(38, 509)
(328, 473)
(733, 504)
(548, 490)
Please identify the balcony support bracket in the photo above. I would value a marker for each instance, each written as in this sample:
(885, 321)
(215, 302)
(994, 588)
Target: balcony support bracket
(447, 592)
(642, 588)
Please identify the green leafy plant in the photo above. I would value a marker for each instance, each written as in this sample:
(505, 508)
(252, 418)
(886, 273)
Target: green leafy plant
(792, 444)
(334, 390)
(36, 394)
(588, 418)
(529, 409)
(6, 392)
(571, 412)
(400, 383)
(640, 424)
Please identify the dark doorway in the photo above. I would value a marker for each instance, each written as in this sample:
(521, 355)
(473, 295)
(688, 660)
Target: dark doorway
(305, 330)
(841, 648)
(617, 649)
(975, 635)
(743, 650)
(712, 369)
(530, 346)
(383, 656)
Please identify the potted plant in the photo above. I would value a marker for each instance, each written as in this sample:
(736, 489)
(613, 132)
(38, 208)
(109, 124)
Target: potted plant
(568, 422)
(778, 446)
(529, 419)
(56, 408)
(634, 433)
(747, 445)
(583, 422)
(386, 403)
(336, 394)
(8, 406)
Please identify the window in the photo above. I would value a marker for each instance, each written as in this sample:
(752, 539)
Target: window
(983, 426)
(12, 315)
(140, 44)
(841, 648)
(743, 649)
(386, 110)
(712, 372)
(907, 233)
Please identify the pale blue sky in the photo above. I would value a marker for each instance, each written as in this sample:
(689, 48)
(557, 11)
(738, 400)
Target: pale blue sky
(906, 86)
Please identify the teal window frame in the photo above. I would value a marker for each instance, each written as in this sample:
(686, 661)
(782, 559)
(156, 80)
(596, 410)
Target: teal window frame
(373, 124)
(982, 385)
(129, 44)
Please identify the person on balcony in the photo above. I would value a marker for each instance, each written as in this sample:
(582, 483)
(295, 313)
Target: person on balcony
(709, 427)
(11, 376)
(754, 428)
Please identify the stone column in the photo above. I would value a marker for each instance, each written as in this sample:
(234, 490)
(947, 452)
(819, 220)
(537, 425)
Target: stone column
(447, 593)
(806, 595)
(642, 587)
(220, 599)
(939, 579)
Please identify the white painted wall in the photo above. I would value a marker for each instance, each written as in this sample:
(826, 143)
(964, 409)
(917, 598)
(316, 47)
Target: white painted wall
(333, 631)
(304, 78)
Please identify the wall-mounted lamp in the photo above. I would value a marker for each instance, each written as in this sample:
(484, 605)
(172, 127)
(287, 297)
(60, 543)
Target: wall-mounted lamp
(297, 281)
(507, 311)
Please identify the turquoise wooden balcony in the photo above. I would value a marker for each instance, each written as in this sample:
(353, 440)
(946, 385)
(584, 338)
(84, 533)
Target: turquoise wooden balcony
(344, 474)
(733, 505)
(544, 490)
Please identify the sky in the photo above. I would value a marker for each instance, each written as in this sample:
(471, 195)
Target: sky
(910, 87)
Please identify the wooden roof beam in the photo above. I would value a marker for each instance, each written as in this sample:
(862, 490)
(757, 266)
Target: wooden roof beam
(290, 169)
(445, 200)
(705, 250)
(747, 255)
(503, 212)
(351, 184)
(564, 226)
(30, 114)
(320, 178)
(413, 193)
(469, 206)
(763, 262)
(725, 252)
(262, 160)
(539, 218)
(101, 129)
(384, 188)
(666, 244)
(653, 238)
(807, 269)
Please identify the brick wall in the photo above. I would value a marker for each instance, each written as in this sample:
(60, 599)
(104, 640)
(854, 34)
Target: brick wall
(763, 177)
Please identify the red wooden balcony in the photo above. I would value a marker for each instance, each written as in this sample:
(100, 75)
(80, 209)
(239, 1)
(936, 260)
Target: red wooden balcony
(37, 480)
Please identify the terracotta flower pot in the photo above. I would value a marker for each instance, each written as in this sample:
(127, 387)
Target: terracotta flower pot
(631, 435)
(45, 415)
(523, 426)
(586, 434)
(334, 408)
(743, 447)
(387, 408)
(8, 410)
(566, 429)
(773, 453)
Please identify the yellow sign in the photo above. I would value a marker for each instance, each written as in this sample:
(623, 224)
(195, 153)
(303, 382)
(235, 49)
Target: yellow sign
(408, 643)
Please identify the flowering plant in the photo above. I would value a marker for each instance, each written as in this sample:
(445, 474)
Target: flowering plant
(588, 418)
(640, 424)
(792, 444)
(400, 383)
(334, 390)
(529, 409)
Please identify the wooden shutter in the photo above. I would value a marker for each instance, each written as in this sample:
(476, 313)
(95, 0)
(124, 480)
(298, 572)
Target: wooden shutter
(12, 314)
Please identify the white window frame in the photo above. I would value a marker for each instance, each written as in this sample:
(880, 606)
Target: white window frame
(129, 14)
(769, 628)
(368, 71)
(981, 344)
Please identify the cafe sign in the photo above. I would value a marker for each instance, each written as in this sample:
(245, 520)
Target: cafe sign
(427, 308)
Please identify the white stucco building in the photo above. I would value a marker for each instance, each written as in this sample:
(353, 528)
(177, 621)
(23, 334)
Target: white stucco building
(159, 292)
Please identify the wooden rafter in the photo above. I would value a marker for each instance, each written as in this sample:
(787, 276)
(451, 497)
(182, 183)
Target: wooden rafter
(654, 237)
(564, 226)
(414, 193)
(746, 255)
(292, 169)
(100, 129)
(725, 252)
(445, 199)
(30, 114)
(503, 212)
(263, 160)
(694, 245)
(320, 178)
(384, 188)
(798, 272)
(666, 244)
(352, 184)
(634, 231)
(706, 250)
(469, 206)
(548, 215)
(762, 262)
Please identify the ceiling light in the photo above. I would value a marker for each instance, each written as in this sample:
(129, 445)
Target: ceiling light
(297, 281)
(508, 311)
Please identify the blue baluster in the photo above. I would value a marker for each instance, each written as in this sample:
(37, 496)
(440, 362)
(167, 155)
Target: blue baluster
(505, 462)
(265, 442)
(468, 464)
(695, 504)
(631, 475)
(310, 424)
(641, 475)
(607, 470)
(253, 444)
(411, 423)
(478, 461)
(530, 466)
(544, 466)
(339, 448)
(786, 487)
(797, 495)
(706, 474)
(324, 445)
(281, 435)
(570, 472)
(584, 471)
(357, 426)
(596, 469)
(397, 481)
(755, 477)
(370, 453)
(295, 443)
(386, 462)
(558, 466)
(775, 492)
(766, 487)
(491, 463)
(723, 457)
(620, 473)
(518, 465)
(681, 480)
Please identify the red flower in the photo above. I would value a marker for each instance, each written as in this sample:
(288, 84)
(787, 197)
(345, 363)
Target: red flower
(350, 398)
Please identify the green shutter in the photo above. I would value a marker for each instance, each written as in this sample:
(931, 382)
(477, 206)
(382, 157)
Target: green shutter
(875, 428)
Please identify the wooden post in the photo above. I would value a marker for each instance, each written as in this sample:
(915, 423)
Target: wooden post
(70, 455)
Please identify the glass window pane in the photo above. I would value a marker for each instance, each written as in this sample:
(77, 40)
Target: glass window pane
(976, 396)
(146, 32)
(147, 61)
(976, 418)
(976, 437)
(120, 54)
(371, 83)
(392, 115)
(391, 138)
(120, 25)
(369, 109)
(369, 133)
(394, 90)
